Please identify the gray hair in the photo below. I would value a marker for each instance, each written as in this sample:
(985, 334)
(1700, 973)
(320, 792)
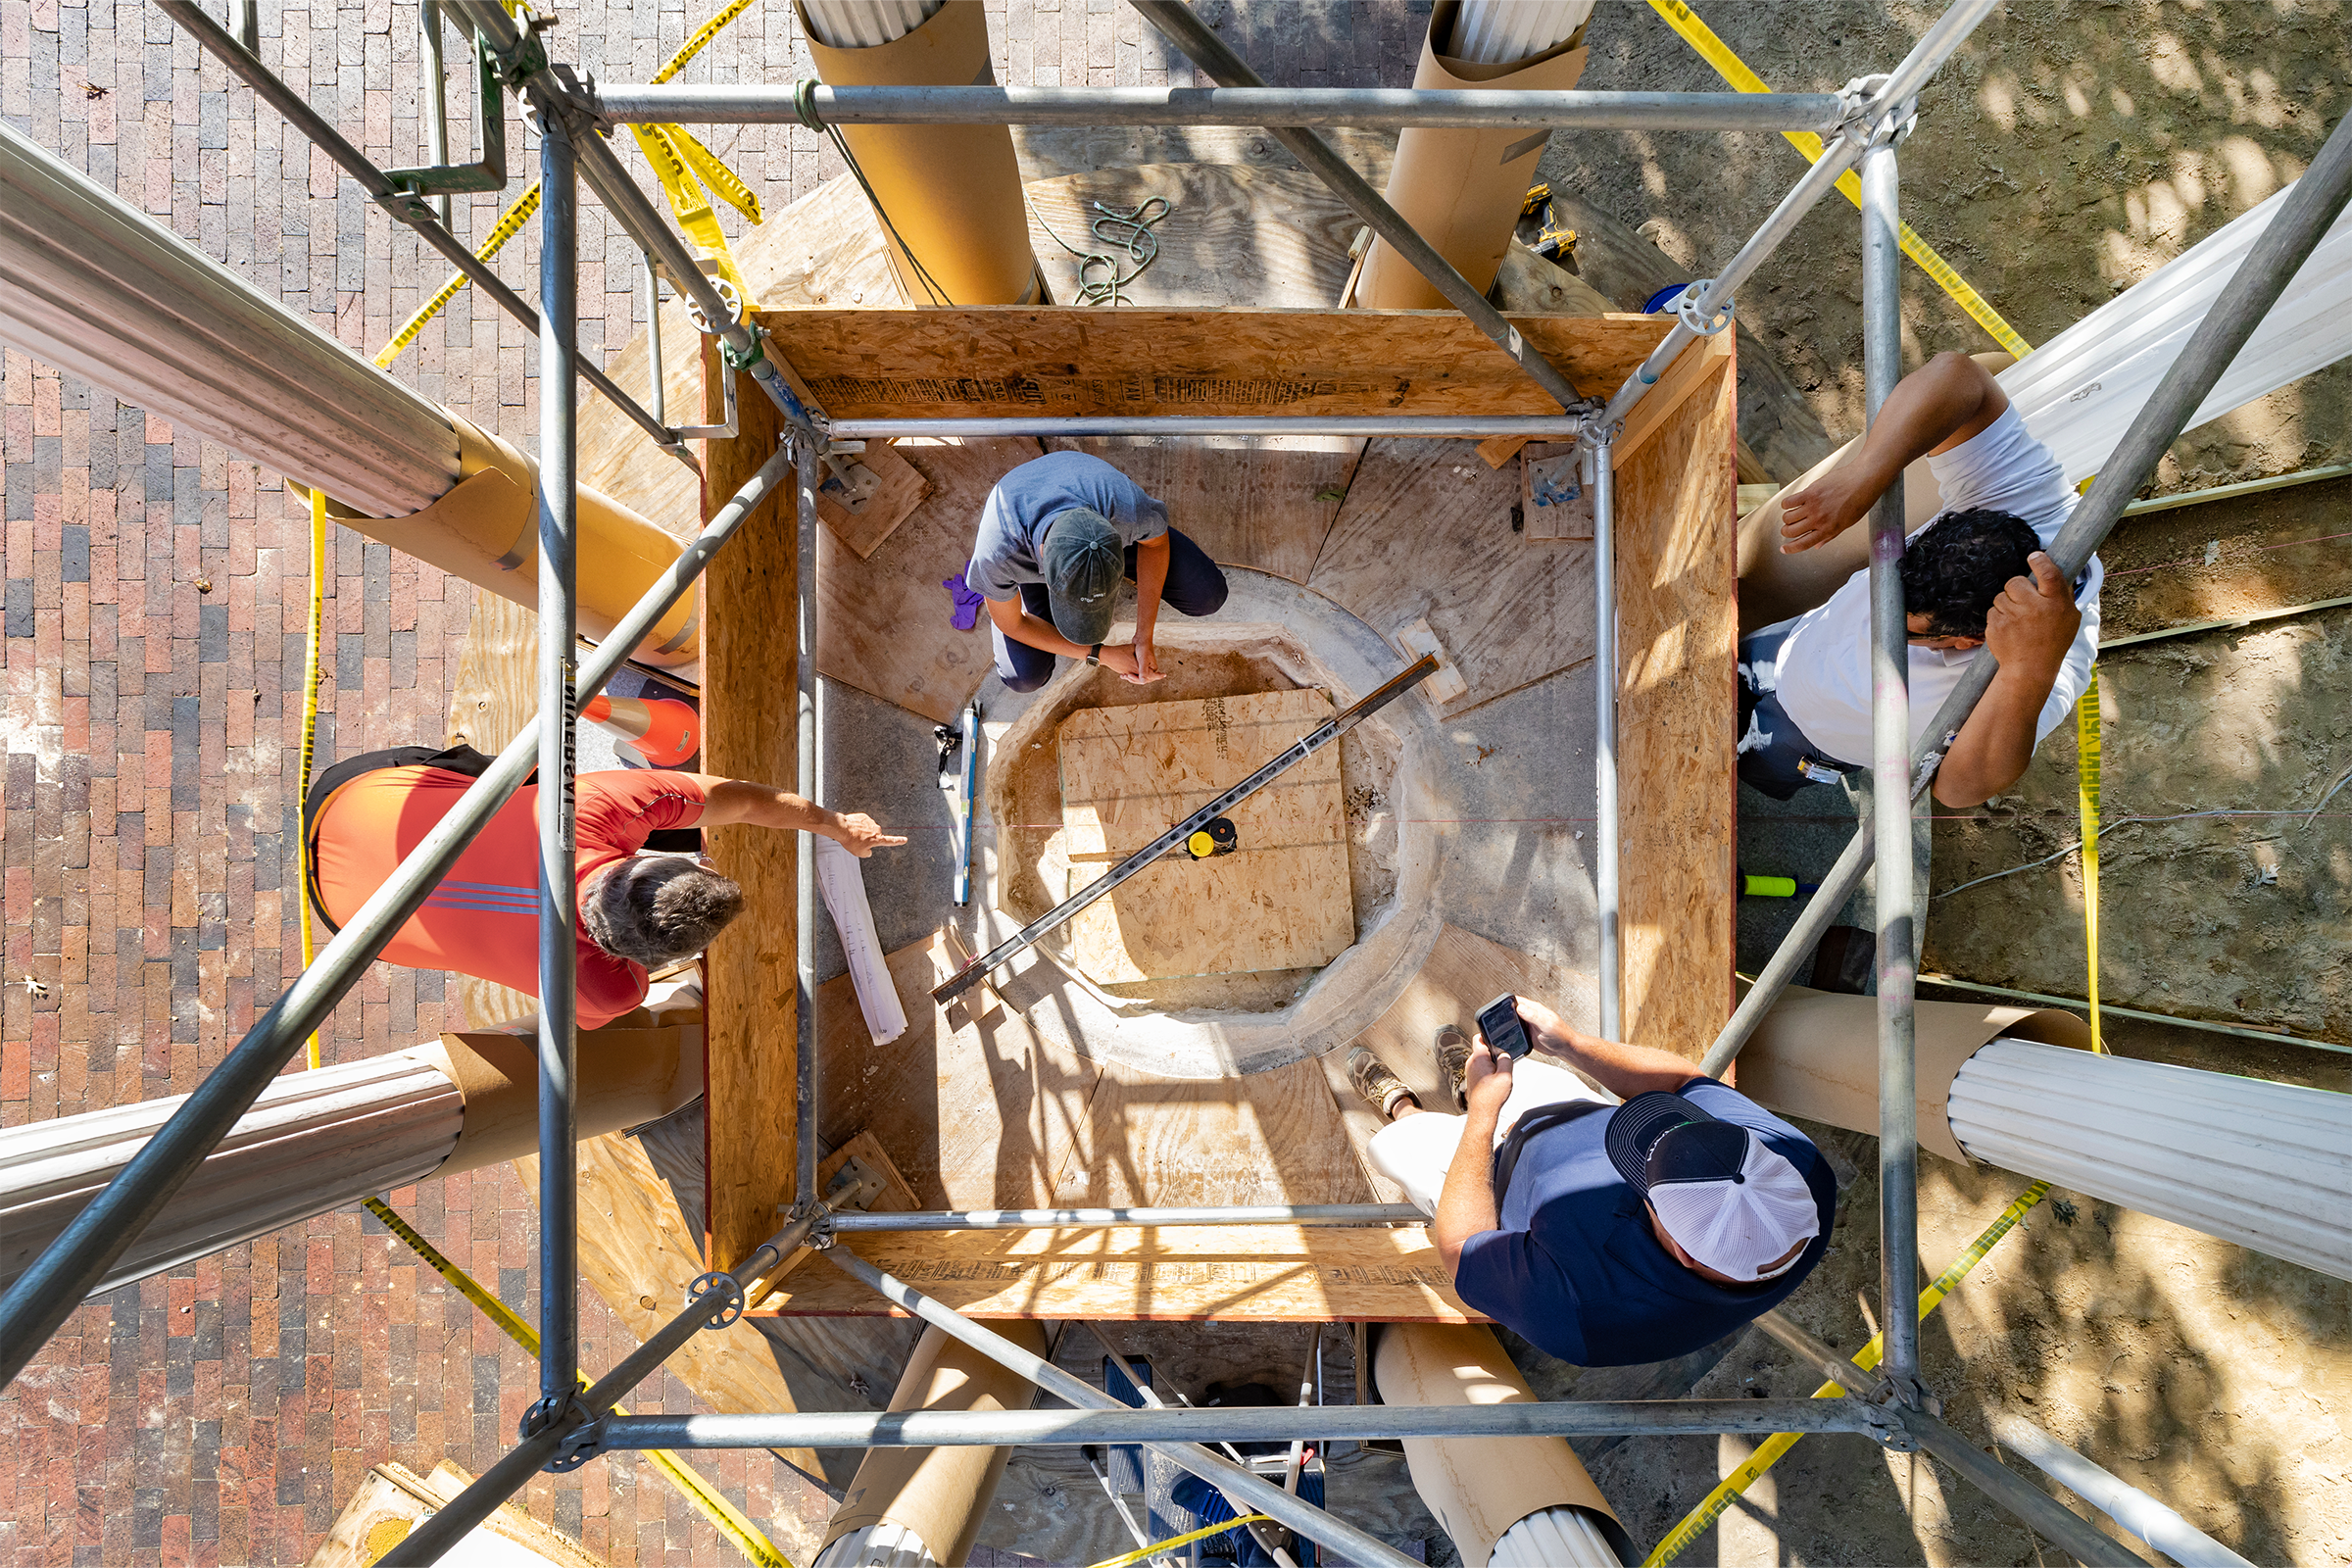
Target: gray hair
(656, 910)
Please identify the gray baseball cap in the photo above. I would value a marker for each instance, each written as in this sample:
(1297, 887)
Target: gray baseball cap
(1083, 561)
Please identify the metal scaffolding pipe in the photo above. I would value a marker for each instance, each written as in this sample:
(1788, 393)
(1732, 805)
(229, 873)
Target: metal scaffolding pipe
(2310, 208)
(1534, 427)
(2045, 1514)
(1243, 1489)
(805, 899)
(48, 1292)
(1026, 1220)
(937, 1429)
(454, 1521)
(673, 103)
(558, 860)
(104, 293)
(1182, 25)
(1601, 462)
(1827, 1360)
(415, 211)
(1890, 781)
(2150, 1520)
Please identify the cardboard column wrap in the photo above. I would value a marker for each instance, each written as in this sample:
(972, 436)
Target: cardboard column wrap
(486, 530)
(1480, 1487)
(1462, 189)
(940, 1495)
(1816, 1056)
(952, 193)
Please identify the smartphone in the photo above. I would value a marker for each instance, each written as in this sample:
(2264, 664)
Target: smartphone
(1505, 1031)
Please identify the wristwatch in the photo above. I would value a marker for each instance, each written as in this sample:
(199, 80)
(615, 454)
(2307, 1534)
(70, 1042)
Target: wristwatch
(1094, 654)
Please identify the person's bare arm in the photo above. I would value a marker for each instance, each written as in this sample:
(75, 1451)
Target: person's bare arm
(2029, 629)
(1936, 407)
(734, 801)
(1152, 559)
(1624, 1070)
(1014, 619)
(1466, 1203)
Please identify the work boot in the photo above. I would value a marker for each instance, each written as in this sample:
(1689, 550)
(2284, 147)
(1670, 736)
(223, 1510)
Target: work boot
(1382, 1088)
(1453, 1064)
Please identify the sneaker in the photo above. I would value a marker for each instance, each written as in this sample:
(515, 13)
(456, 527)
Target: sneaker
(1382, 1088)
(1454, 1063)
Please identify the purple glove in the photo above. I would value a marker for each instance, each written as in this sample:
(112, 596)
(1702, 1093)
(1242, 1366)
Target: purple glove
(967, 602)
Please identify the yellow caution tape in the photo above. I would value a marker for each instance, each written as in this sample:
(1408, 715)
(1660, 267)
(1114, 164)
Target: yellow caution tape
(1157, 1547)
(1699, 1520)
(2086, 793)
(662, 147)
(510, 223)
(309, 731)
(720, 178)
(728, 1519)
(1729, 65)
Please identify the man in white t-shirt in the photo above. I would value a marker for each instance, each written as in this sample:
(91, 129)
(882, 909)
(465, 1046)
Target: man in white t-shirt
(1976, 575)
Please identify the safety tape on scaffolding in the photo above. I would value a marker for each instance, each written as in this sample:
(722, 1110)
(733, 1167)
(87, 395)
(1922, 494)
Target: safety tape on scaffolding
(720, 178)
(677, 159)
(2086, 794)
(1125, 1560)
(1729, 65)
(1700, 1519)
(724, 1515)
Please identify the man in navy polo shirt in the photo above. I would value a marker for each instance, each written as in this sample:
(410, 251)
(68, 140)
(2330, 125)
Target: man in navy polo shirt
(1608, 1229)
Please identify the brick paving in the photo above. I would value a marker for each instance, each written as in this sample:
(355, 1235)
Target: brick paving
(155, 590)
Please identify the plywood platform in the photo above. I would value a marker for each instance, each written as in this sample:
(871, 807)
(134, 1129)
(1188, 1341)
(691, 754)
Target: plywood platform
(1279, 901)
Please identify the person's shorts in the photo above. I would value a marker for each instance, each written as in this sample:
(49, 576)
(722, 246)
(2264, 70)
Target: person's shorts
(1775, 757)
(1415, 1151)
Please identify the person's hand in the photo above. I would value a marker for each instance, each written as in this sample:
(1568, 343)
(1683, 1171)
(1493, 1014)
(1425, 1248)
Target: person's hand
(1119, 660)
(1822, 511)
(1486, 1079)
(861, 834)
(1147, 662)
(1544, 1030)
(2033, 623)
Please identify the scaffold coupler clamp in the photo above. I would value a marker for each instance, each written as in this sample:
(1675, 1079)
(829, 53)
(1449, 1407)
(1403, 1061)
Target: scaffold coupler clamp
(1863, 121)
(408, 206)
(563, 1413)
(720, 1295)
(1686, 307)
(1887, 1427)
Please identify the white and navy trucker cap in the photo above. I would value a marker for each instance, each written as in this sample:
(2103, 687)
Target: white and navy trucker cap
(1727, 1200)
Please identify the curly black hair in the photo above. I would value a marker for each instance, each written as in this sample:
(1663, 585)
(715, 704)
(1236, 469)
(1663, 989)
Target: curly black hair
(1954, 568)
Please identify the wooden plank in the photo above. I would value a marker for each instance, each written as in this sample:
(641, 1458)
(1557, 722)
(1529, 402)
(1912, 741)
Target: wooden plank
(1678, 631)
(1554, 501)
(1425, 535)
(1463, 973)
(1692, 370)
(1280, 900)
(1264, 502)
(1231, 236)
(1415, 638)
(883, 622)
(1225, 1273)
(750, 611)
(973, 1109)
(863, 521)
(1011, 359)
(1264, 1138)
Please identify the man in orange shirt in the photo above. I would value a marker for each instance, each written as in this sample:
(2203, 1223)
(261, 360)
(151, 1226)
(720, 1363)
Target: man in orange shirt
(637, 911)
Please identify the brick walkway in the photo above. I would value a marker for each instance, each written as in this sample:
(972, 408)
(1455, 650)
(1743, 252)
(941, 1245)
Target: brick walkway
(154, 602)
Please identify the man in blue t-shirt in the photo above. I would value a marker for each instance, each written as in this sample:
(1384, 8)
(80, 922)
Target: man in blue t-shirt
(1057, 536)
(1609, 1229)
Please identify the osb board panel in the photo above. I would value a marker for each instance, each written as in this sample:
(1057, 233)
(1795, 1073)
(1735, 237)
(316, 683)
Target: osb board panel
(1280, 900)
(1426, 534)
(1231, 236)
(1265, 1137)
(1229, 1273)
(1011, 359)
(898, 488)
(883, 623)
(1463, 973)
(750, 609)
(640, 1252)
(1264, 501)
(973, 1109)
(1678, 631)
